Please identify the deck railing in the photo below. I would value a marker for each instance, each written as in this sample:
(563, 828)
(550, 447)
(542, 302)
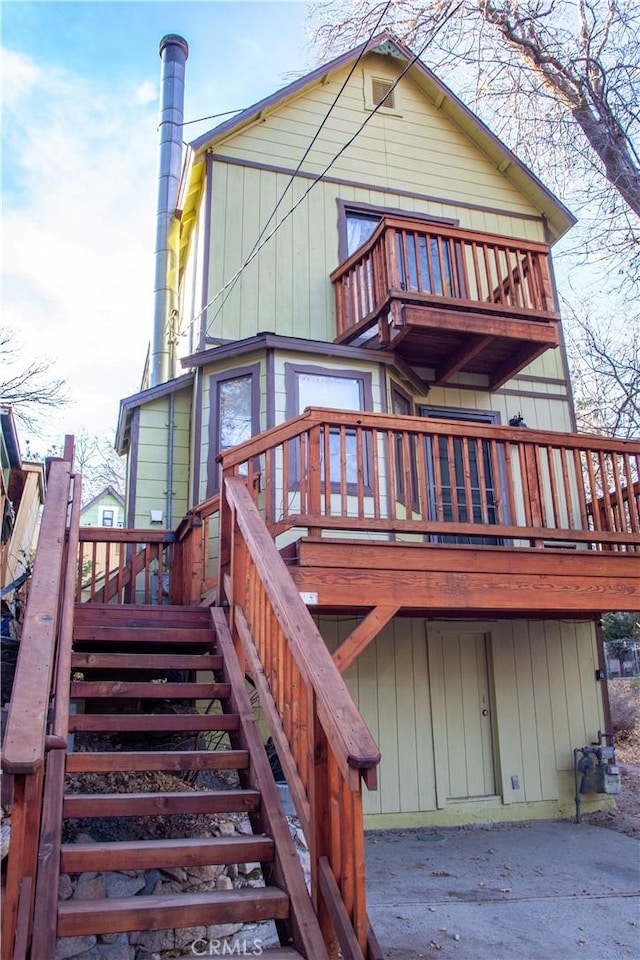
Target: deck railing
(378, 474)
(323, 744)
(37, 724)
(445, 266)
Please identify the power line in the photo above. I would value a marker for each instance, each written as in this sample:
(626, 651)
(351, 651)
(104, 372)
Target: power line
(258, 246)
(228, 289)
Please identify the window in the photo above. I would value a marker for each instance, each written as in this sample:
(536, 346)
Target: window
(234, 415)
(357, 221)
(107, 517)
(339, 390)
(402, 405)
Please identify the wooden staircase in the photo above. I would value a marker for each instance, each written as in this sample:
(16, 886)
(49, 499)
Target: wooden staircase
(137, 674)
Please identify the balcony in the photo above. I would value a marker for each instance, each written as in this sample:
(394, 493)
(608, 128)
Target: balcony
(455, 301)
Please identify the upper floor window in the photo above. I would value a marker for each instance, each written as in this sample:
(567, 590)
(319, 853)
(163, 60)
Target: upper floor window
(107, 517)
(234, 414)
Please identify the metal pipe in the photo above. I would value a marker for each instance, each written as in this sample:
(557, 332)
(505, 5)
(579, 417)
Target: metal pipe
(173, 53)
(170, 448)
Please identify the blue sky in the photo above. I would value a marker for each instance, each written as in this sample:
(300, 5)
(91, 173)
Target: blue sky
(79, 102)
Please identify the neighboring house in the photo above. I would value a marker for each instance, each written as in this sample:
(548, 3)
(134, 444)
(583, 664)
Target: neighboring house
(415, 279)
(106, 509)
(22, 490)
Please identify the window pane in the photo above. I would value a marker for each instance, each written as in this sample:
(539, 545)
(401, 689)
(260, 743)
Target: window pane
(320, 390)
(359, 229)
(339, 393)
(234, 411)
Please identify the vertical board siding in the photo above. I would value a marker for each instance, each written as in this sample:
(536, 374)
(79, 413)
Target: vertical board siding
(152, 457)
(286, 288)
(545, 703)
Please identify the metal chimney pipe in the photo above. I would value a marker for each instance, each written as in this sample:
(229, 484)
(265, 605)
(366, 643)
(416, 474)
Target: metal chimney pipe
(173, 53)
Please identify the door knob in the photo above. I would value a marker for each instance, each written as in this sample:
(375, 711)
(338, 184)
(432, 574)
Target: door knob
(485, 712)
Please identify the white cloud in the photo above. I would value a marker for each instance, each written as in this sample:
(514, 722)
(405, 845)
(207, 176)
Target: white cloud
(146, 93)
(79, 210)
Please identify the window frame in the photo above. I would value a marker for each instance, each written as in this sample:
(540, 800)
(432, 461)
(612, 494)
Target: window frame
(365, 389)
(411, 502)
(251, 371)
(346, 207)
(110, 513)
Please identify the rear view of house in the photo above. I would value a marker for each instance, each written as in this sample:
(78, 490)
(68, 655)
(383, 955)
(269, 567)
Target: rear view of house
(453, 538)
(354, 480)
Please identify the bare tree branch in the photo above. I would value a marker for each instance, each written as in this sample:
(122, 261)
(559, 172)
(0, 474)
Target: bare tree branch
(28, 389)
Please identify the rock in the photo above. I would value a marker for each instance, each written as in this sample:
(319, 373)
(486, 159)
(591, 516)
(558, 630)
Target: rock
(167, 886)
(176, 873)
(248, 868)
(154, 941)
(208, 873)
(65, 887)
(118, 949)
(90, 887)
(151, 878)
(185, 936)
(224, 883)
(226, 828)
(223, 930)
(67, 947)
(300, 838)
(119, 885)
(84, 838)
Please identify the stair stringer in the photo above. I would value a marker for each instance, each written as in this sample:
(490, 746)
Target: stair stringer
(286, 870)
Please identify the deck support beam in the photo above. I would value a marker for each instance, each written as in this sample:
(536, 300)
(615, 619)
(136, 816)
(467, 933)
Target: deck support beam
(361, 637)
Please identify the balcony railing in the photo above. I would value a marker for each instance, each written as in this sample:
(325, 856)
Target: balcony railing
(443, 265)
(446, 482)
(459, 300)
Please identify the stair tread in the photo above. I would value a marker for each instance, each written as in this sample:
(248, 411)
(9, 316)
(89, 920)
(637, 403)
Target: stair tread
(159, 804)
(118, 914)
(141, 690)
(160, 634)
(100, 762)
(140, 661)
(145, 722)
(180, 852)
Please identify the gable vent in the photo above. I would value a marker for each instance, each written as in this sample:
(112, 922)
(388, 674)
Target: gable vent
(379, 90)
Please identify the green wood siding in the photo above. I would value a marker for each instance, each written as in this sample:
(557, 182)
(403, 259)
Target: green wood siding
(152, 460)
(545, 702)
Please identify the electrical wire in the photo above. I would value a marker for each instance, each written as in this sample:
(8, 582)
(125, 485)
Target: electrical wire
(259, 245)
(318, 132)
(292, 177)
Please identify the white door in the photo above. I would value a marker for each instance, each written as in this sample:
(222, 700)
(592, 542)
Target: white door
(461, 711)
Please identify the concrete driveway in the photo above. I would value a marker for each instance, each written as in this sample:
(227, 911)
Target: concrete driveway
(542, 890)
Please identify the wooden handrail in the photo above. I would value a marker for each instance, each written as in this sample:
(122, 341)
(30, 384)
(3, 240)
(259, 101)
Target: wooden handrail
(344, 727)
(24, 745)
(63, 664)
(322, 738)
(26, 741)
